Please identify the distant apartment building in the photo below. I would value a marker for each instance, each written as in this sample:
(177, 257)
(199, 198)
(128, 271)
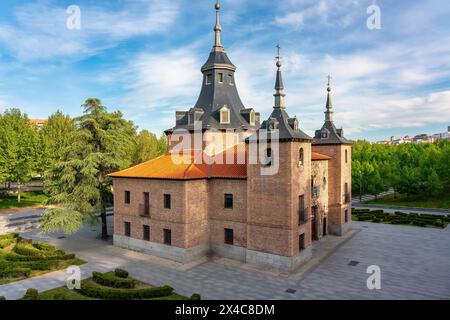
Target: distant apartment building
(420, 138)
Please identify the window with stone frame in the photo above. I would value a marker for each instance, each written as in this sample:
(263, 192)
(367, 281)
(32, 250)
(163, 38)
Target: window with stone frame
(229, 236)
(167, 201)
(346, 215)
(127, 197)
(168, 237)
(302, 218)
(231, 79)
(146, 232)
(228, 201)
(346, 156)
(252, 118)
(127, 229)
(220, 77)
(225, 116)
(208, 79)
(301, 242)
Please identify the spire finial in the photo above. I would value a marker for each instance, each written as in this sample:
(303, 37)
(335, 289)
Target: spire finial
(217, 29)
(329, 106)
(279, 85)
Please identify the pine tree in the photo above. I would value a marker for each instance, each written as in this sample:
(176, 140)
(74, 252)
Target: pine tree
(79, 185)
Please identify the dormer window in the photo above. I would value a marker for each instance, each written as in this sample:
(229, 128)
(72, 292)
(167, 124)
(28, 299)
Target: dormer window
(220, 77)
(324, 135)
(225, 115)
(208, 79)
(252, 118)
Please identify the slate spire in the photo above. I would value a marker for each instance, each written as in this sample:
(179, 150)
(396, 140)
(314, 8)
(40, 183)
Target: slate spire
(329, 106)
(279, 95)
(217, 30)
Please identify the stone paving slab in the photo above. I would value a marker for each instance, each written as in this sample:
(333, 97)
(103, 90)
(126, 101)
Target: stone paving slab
(414, 262)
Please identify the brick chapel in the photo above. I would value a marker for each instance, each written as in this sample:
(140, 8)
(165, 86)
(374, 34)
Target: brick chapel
(187, 210)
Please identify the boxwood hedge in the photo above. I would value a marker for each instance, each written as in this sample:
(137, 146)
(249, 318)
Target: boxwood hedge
(110, 280)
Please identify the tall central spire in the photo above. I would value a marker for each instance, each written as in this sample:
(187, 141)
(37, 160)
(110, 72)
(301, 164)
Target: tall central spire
(329, 106)
(279, 85)
(217, 30)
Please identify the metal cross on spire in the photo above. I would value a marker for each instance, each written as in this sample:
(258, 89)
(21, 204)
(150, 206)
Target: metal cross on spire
(329, 80)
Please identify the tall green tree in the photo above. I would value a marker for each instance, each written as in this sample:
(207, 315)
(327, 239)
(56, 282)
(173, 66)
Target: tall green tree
(147, 147)
(54, 138)
(18, 139)
(79, 185)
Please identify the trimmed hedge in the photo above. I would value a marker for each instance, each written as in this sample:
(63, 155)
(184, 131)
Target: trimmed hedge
(9, 236)
(31, 294)
(94, 290)
(196, 296)
(6, 242)
(109, 279)
(18, 257)
(15, 272)
(121, 273)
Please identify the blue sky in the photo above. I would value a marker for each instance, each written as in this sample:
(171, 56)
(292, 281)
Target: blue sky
(144, 58)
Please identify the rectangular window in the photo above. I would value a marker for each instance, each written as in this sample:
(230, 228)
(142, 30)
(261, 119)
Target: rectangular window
(167, 201)
(301, 242)
(231, 78)
(146, 204)
(127, 227)
(220, 77)
(208, 79)
(228, 201)
(146, 233)
(346, 215)
(229, 236)
(168, 237)
(301, 209)
(127, 197)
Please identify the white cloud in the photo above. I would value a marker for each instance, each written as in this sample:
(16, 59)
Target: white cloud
(41, 31)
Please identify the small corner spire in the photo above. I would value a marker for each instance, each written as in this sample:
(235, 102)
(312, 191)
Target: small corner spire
(279, 85)
(329, 106)
(217, 29)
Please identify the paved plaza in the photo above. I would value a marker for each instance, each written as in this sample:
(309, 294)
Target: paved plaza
(414, 262)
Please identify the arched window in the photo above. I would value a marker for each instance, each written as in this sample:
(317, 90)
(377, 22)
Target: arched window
(346, 156)
(269, 157)
(301, 154)
(224, 115)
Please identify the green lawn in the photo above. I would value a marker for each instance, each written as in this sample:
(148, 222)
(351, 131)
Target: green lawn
(413, 201)
(27, 199)
(21, 259)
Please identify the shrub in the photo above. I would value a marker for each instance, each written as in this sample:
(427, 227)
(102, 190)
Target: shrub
(93, 290)
(15, 272)
(110, 280)
(2, 298)
(25, 249)
(419, 223)
(196, 296)
(31, 294)
(44, 247)
(39, 265)
(6, 242)
(9, 236)
(121, 273)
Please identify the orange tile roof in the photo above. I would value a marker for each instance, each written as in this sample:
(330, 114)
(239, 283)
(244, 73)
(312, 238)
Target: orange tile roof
(194, 165)
(169, 167)
(318, 156)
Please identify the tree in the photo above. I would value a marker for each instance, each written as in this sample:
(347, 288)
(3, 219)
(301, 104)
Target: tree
(434, 186)
(147, 147)
(18, 139)
(54, 138)
(79, 184)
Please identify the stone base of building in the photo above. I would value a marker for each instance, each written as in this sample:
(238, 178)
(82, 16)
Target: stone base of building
(276, 262)
(161, 250)
(339, 229)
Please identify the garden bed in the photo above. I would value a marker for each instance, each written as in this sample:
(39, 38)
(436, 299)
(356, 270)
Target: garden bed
(401, 218)
(21, 258)
(115, 285)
